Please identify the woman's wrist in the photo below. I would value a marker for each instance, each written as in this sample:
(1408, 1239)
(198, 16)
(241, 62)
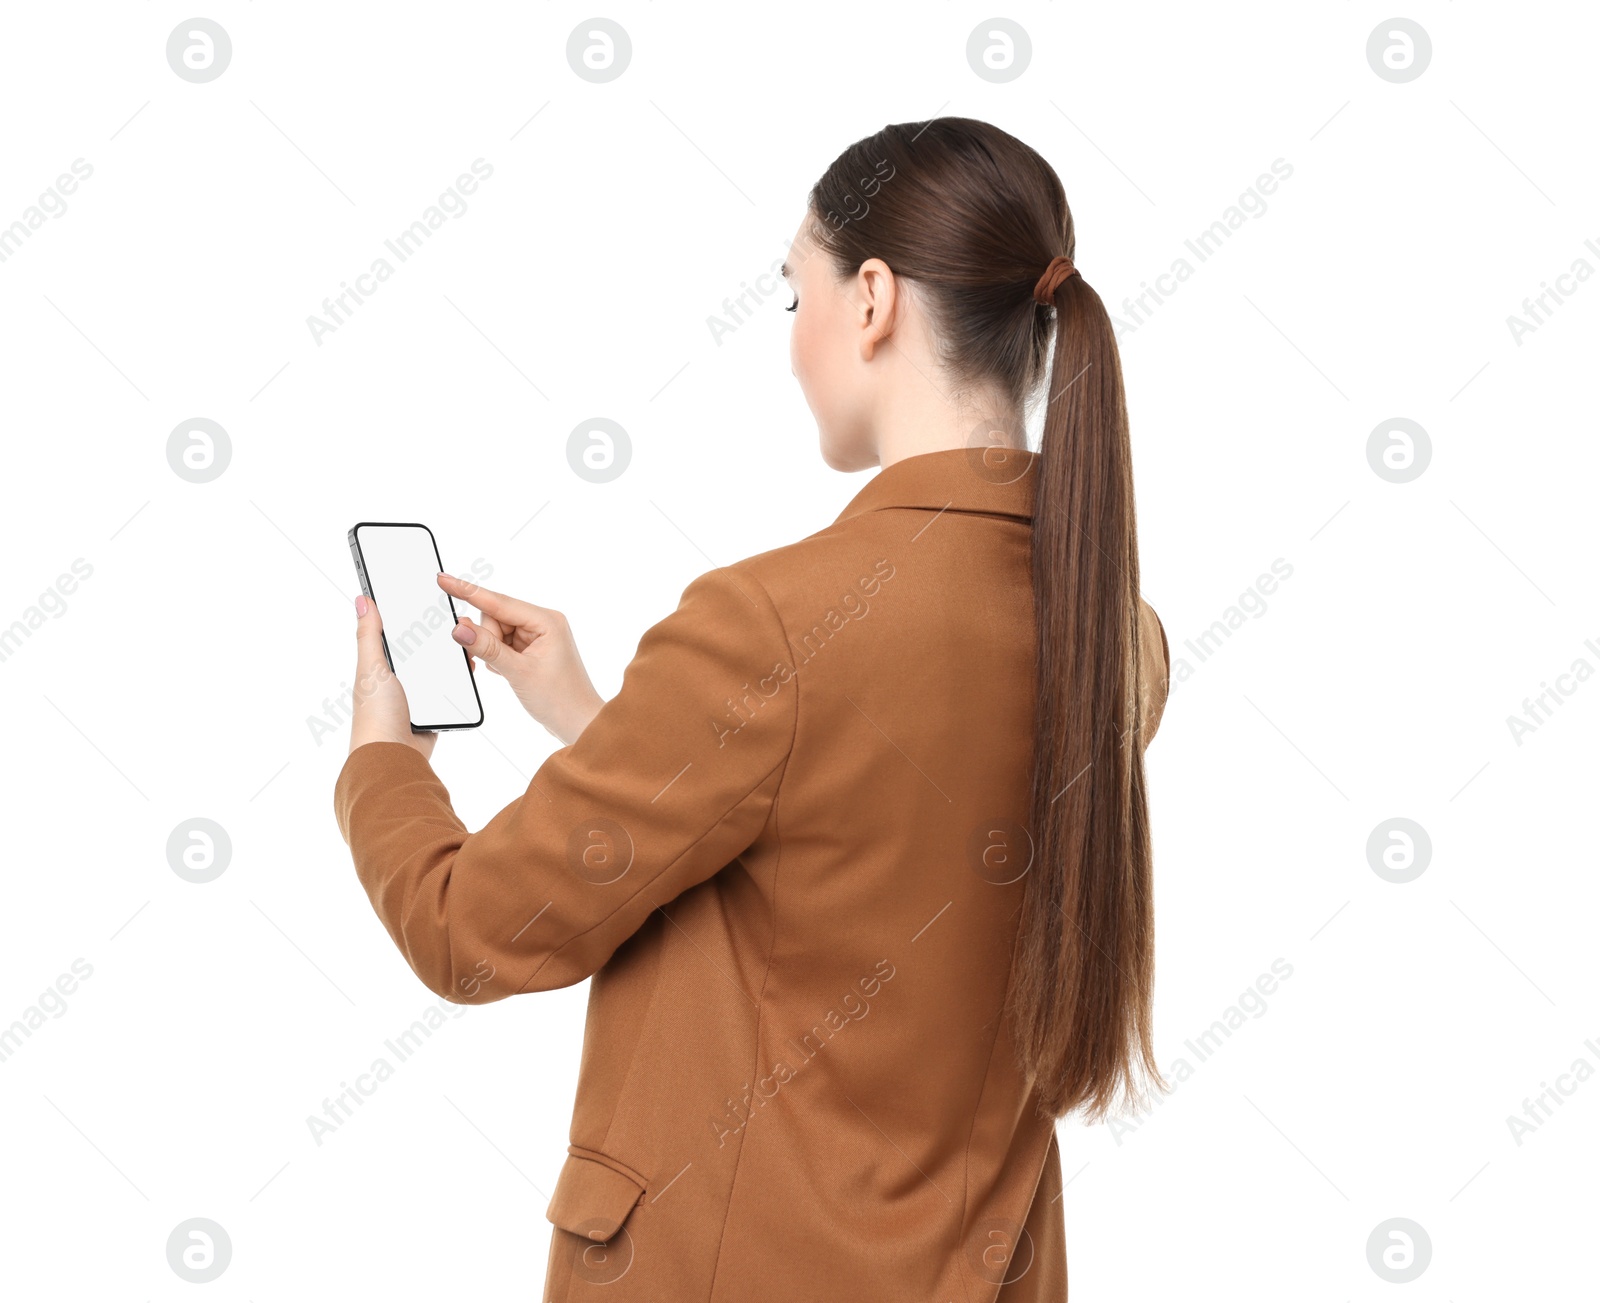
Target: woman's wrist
(576, 718)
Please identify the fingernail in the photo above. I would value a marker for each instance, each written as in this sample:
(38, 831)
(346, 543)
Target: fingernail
(361, 605)
(464, 634)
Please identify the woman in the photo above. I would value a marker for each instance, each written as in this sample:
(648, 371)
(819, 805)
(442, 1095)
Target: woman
(858, 858)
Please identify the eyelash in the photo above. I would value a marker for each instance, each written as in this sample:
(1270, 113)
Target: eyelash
(793, 305)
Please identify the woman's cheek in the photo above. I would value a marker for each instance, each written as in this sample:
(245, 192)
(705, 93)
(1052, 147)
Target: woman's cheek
(801, 354)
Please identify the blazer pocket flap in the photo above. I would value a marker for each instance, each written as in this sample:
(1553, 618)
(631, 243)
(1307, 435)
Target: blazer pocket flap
(593, 1197)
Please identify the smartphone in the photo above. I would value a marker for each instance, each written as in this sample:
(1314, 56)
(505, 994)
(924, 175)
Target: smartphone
(398, 565)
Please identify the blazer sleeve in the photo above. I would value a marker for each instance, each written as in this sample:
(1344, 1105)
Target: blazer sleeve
(672, 779)
(1156, 673)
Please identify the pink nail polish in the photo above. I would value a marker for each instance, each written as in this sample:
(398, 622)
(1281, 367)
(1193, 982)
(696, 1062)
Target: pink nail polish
(361, 604)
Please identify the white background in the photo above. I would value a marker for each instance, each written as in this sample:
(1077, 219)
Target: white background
(180, 679)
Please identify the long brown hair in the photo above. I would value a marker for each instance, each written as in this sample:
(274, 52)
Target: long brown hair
(972, 216)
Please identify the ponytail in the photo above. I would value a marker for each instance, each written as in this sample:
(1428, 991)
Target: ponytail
(1084, 965)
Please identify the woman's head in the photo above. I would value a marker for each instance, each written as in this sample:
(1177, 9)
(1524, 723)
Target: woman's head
(915, 271)
(931, 236)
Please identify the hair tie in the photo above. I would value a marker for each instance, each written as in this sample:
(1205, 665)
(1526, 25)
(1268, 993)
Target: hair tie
(1059, 269)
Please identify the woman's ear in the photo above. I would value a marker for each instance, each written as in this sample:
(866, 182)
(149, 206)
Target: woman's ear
(877, 295)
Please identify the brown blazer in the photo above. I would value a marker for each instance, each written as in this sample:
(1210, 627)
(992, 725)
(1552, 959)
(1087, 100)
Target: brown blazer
(786, 855)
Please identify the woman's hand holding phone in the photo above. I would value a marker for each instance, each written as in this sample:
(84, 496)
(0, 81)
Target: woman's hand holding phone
(378, 709)
(532, 648)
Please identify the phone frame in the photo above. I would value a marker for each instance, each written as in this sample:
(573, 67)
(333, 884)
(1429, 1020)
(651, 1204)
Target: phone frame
(354, 538)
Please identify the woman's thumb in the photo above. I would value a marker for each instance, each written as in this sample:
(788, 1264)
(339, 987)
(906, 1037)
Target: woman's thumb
(370, 660)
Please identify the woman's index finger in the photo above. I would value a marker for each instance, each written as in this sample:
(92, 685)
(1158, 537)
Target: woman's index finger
(486, 599)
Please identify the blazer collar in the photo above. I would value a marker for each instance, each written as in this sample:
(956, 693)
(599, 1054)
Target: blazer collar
(996, 481)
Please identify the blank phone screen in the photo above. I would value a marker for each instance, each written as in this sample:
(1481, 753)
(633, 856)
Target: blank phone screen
(402, 563)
